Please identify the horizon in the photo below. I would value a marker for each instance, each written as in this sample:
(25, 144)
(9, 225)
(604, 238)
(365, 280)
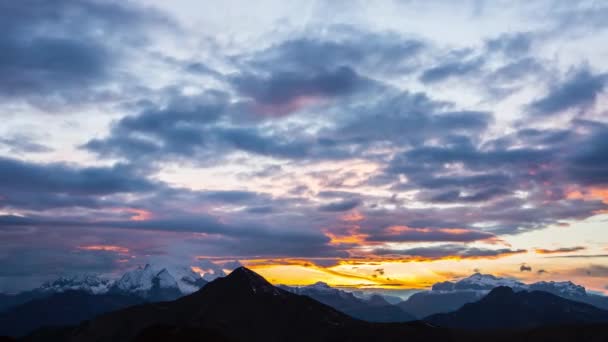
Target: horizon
(387, 145)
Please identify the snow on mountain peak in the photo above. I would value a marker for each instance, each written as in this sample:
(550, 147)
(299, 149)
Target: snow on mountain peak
(479, 281)
(187, 279)
(165, 279)
(485, 282)
(81, 282)
(562, 288)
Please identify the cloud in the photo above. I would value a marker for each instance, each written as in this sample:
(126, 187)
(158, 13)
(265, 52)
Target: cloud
(579, 90)
(511, 44)
(63, 51)
(286, 92)
(449, 252)
(525, 268)
(409, 234)
(560, 250)
(595, 271)
(43, 186)
(18, 144)
(451, 69)
(341, 206)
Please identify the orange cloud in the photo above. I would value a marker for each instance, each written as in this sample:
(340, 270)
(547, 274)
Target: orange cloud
(354, 216)
(106, 248)
(559, 250)
(589, 194)
(138, 214)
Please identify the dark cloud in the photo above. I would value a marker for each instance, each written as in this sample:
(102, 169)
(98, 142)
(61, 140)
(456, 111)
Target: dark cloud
(341, 206)
(62, 51)
(511, 44)
(451, 69)
(366, 50)
(588, 162)
(18, 144)
(286, 92)
(443, 251)
(42, 186)
(525, 268)
(560, 250)
(408, 234)
(579, 90)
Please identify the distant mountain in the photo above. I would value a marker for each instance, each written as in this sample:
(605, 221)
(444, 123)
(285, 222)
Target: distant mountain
(375, 309)
(86, 283)
(245, 307)
(60, 309)
(148, 282)
(503, 308)
(426, 303)
(9, 301)
(449, 296)
(242, 306)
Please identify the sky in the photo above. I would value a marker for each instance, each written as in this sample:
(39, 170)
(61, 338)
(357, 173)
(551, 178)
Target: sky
(367, 144)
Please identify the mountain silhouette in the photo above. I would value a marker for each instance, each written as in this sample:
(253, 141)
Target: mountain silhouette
(242, 306)
(505, 308)
(61, 309)
(376, 309)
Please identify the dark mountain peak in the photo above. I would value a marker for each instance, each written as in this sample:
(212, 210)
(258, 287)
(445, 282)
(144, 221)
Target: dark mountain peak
(321, 284)
(505, 308)
(377, 300)
(501, 292)
(244, 277)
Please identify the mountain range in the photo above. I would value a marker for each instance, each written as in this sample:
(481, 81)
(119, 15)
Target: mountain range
(449, 296)
(504, 308)
(243, 306)
(70, 300)
(373, 309)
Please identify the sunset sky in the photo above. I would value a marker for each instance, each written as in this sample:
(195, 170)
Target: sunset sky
(373, 144)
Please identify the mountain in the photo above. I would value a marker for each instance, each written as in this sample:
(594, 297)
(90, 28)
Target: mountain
(426, 303)
(375, 309)
(8, 301)
(503, 308)
(148, 283)
(86, 283)
(59, 309)
(242, 306)
(449, 296)
(83, 282)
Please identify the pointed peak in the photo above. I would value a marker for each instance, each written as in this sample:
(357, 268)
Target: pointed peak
(245, 272)
(254, 281)
(320, 284)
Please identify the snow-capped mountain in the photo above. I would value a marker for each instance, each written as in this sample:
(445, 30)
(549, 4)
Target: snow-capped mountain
(449, 296)
(479, 281)
(84, 282)
(560, 288)
(148, 282)
(187, 280)
(486, 282)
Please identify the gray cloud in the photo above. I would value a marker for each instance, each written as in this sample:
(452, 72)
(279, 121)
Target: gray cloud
(579, 90)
